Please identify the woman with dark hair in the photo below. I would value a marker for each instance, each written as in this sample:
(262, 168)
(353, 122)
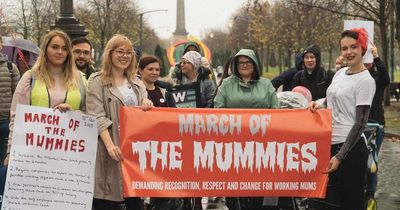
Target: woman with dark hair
(349, 96)
(149, 71)
(244, 88)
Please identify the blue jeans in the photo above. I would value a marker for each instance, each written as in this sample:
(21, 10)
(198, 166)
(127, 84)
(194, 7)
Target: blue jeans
(4, 131)
(372, 178)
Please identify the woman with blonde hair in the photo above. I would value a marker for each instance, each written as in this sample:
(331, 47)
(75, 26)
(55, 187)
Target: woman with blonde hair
(53, 81)
(113, 87)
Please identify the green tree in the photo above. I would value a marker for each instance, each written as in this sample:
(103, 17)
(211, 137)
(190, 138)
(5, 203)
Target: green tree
(162, 55)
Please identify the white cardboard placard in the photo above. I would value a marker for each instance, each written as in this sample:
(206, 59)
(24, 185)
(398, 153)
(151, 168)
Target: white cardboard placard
(52, 160)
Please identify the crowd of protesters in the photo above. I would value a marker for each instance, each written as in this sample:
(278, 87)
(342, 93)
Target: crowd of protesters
(63, 78)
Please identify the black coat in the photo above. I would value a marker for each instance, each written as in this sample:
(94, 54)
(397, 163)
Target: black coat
(317, 82)
(381, 77)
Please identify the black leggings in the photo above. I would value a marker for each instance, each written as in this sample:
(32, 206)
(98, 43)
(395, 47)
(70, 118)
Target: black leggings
(347, 184)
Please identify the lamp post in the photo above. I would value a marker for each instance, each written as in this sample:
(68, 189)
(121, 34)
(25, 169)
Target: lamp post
(141, 23)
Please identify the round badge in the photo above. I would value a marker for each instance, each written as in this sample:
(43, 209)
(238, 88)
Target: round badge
(162, 100)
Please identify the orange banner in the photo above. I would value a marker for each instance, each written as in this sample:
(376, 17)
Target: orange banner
(171, 152)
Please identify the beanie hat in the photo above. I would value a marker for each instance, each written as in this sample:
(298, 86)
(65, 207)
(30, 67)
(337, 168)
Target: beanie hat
(194, 58)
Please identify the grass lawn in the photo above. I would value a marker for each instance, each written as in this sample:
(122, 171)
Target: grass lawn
(274, 71)
(392, 117)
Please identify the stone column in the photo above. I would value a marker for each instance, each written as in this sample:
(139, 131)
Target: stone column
(180, 19)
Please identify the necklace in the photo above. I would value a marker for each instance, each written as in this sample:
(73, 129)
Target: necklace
(349, 72)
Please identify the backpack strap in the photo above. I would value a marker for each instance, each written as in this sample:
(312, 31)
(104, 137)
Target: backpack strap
(33, 80)
(10, 69)
(9, 66)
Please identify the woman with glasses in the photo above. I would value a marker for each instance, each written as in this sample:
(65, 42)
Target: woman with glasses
(193, 71)
(244, 88)
(114, 86)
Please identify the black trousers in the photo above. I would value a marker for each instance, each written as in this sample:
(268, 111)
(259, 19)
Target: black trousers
(346, 186)
(130, 204)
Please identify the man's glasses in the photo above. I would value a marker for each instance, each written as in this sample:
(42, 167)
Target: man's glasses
(79, 52)
(245, 63)
(121, 53)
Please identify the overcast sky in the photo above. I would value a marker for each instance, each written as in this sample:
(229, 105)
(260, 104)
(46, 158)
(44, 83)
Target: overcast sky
(200, 15)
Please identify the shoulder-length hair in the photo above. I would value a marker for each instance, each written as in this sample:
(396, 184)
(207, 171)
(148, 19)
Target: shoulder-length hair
(116, 41)
(41, 68)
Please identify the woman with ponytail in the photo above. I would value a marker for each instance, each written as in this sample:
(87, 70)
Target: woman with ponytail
(349, 96)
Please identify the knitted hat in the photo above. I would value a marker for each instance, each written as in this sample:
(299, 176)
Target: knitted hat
(194, 58)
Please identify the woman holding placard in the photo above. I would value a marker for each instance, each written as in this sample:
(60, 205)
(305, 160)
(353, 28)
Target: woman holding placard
(54, 81)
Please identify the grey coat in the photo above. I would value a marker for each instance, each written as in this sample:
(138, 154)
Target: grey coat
(8, 83)
(104, 101)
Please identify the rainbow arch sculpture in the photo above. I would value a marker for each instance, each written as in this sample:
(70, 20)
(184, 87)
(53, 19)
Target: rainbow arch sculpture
(175, 51)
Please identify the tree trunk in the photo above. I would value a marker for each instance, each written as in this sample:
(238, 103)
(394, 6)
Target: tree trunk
(268, 57)
(289, 57)
(280, 60)
(330, 57)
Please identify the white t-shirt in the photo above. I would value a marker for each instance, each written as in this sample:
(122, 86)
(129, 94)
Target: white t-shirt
(343, 95)
(128, 94)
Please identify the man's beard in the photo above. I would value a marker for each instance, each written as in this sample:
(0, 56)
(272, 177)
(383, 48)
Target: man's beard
(81, 64)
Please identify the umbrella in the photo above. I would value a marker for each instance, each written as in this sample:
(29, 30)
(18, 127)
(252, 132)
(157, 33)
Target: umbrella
(11, 46)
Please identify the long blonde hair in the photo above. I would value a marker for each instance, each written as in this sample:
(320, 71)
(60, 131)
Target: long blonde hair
(115, 42)
(41, 69)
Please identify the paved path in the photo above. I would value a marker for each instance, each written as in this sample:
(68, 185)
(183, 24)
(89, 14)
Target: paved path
(388, 194)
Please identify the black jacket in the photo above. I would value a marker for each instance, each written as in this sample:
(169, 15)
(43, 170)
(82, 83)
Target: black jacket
(286, 77)
(168, 96)
(381, 77)
(319, 80)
